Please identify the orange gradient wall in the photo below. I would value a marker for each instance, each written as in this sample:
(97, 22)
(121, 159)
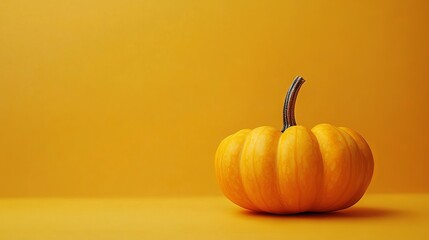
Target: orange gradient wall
(131, 98)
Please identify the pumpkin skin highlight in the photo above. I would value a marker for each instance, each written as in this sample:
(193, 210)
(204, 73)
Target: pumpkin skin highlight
(323, 169)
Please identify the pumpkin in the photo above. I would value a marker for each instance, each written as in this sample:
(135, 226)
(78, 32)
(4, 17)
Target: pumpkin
(294, 170)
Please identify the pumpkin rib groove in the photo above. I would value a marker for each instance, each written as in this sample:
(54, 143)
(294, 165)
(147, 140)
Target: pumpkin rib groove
(275, 135)
(362, 179)
(262, 195)
(246, 194)
(278, 167)
(266, 195)
(233, 197)
(281, 173)
(252, 173)
(319, 131)
(254, 178)
(331, 205)
(277, 178)
(298, 187)
(367, 169)
(319, 192)
(350, 169)
(364, 147)
(321, 203)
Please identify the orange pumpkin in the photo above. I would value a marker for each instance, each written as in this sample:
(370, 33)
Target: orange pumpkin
(294, 170)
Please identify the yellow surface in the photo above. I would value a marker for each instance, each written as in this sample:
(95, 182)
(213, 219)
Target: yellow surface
(375, 217)
(131, 98)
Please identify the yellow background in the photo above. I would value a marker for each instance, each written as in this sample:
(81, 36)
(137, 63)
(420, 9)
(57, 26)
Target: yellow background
(376, 216)
(131, 98)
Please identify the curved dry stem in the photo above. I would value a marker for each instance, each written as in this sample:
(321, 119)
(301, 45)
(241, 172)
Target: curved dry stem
(289, 105)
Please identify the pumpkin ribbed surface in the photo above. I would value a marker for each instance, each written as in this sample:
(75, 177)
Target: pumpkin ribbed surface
(323, 169)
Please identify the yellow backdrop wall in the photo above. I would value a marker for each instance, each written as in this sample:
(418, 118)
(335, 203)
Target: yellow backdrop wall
(131, 98)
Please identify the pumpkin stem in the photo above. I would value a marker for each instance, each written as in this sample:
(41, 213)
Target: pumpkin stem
(289, 105)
